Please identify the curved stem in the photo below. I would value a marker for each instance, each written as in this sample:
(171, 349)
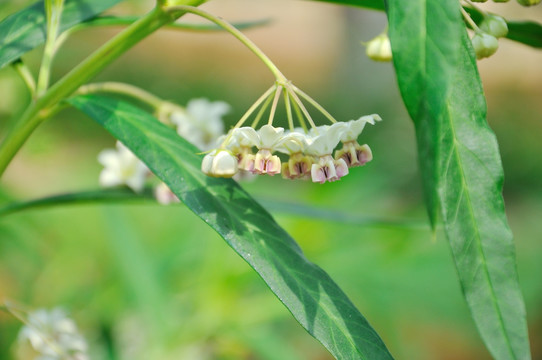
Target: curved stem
(26, 75)
(239, 35)
(122, 89)
(314, 103)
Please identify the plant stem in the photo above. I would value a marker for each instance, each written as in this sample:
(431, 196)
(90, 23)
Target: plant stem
(298, 114)
(281, 79)
(53, 10)
(302, 107)
(26, 75)
(274, 106)
(314, 103)
(87, 69)
(122, 89)
(288, 111)
(261, 112)
(469, 20)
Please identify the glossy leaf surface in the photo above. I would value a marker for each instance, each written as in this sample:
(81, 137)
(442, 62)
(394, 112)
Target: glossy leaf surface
(460, 162)
(26, 29)
(319, 305)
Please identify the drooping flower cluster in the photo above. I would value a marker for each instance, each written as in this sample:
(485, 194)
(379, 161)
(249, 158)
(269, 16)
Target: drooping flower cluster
(53, 335)
(310, 152)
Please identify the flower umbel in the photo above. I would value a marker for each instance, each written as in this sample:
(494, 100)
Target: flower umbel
(310, 150)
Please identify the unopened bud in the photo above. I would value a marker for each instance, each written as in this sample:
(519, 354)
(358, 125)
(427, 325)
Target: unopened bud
(379, 48)
(529, 2)
(484, 45)
(219, 163)
(494, 25)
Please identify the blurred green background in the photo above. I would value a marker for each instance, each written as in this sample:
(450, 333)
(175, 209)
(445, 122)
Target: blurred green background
(145, 281)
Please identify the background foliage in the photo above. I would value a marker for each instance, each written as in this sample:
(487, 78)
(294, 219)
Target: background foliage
(175, 285)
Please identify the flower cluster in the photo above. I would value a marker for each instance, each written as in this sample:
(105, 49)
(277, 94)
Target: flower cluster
(53, 335)
(310, 152)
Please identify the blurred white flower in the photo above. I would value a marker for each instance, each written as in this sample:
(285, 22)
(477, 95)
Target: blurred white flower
(53, 336)
(121, 167)
(201, 123)
(164, 195)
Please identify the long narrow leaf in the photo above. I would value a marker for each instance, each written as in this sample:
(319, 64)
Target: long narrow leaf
(125, 195)
(460, 161)
(26, 29)
(369, 4)
(319, 305)
(128, 20)
(525, 32)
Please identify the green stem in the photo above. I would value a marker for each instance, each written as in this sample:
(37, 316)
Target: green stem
(248, 113)
(469, 20)
(281, 79)
(274, 106)
(123, 89)
(314, 103)
(53, 10)
(26, 75)
(129, 20)
(288, 110)
(262, 111)
(298, 114)
(87, 69)
(305, 112)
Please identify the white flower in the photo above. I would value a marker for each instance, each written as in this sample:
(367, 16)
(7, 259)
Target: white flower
(266, 139)
(354, 127)
(325, 139)
(201, 123)
(121, 167)
(219, 163)
(53, 335)
(164, 195)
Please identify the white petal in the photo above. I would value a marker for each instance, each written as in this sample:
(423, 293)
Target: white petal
(247, 135)
(109, 158)
(109, 178)
(270, 136)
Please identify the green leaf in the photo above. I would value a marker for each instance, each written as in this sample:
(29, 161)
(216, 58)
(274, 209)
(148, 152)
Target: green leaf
(113, 195)
(319, 305)
(527, 32)
(124, 194)
(128, 20)
(26, 29)
(460, 162)
(369, 4)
